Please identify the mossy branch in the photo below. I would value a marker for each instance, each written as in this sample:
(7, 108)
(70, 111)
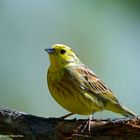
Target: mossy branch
(19, 125)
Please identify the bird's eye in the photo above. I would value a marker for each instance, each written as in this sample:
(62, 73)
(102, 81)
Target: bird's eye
(62, 51)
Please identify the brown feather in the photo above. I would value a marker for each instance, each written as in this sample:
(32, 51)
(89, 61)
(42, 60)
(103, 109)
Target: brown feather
(94, 85)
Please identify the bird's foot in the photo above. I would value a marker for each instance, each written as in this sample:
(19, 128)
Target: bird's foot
(88, 123)
(65, 116)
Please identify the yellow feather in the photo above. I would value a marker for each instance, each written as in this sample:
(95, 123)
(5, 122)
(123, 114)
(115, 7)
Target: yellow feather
(76, 88)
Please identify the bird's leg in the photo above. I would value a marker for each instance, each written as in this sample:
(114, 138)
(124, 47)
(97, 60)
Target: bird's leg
(67, 115)
(88, 122)
(90, 119)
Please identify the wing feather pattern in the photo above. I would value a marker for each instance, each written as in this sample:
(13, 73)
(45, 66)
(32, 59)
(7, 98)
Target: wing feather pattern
(93, 85)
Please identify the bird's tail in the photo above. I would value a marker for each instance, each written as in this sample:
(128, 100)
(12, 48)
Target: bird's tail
(117, 108)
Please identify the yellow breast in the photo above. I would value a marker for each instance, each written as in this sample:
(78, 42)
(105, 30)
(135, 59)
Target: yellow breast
(69, 96)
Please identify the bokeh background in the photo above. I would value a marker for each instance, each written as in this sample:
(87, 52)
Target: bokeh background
(104, 33)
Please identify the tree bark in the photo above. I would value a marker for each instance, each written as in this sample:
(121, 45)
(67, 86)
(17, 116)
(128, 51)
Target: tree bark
(18, 125)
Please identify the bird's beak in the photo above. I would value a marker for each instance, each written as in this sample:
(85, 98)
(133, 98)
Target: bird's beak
(49, 50)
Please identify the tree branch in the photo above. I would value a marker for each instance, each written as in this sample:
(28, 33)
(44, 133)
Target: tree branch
(19, 125)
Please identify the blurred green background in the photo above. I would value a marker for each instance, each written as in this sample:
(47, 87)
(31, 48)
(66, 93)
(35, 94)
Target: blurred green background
(104, 33)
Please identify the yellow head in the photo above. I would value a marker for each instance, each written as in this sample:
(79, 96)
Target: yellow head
(61, 55)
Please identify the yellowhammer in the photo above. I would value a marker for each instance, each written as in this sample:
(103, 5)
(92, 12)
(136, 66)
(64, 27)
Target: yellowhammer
(76, 88)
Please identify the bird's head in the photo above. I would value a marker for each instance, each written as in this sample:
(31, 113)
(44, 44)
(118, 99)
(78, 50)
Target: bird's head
(61, 55)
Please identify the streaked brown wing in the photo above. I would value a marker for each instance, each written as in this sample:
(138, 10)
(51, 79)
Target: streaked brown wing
(92, 84)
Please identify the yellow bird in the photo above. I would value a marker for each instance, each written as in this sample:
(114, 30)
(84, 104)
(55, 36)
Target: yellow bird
(76, 88)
